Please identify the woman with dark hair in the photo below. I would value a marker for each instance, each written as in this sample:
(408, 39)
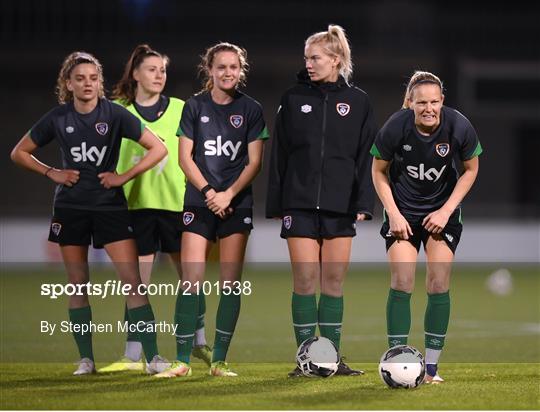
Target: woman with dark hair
(156, 198)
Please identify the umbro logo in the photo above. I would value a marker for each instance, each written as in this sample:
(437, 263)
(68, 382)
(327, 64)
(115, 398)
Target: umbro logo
(306, 108)
(407, 147)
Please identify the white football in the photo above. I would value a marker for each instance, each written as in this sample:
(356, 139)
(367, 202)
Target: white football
(402, 366)
(317, 357)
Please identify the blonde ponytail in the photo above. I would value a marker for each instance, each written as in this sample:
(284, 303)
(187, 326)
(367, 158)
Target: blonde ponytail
(335, 44)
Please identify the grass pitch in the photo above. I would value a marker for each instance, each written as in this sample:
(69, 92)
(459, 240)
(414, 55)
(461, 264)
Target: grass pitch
(491, 359)
(265, 386)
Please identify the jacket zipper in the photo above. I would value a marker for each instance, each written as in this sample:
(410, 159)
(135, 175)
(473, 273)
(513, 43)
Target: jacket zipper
(325, 104)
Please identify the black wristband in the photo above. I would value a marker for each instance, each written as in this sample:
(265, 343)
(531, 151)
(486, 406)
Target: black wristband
(206, 189)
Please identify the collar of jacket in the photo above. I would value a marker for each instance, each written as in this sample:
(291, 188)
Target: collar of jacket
(303, 78)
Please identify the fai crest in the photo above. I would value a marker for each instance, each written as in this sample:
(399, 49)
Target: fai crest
(442, 149)
(188, 218)
(343, 109)
(55, 228)
(102, 128)
(236, 120)
(287, 222)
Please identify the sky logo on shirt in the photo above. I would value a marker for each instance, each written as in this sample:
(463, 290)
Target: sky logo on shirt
(219, 148)
(91, 154)
(421, 173)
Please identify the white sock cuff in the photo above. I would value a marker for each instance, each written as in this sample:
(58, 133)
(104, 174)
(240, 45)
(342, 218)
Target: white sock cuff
(432, 356)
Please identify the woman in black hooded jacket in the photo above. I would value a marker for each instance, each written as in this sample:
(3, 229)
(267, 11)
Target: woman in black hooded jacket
(320, 182)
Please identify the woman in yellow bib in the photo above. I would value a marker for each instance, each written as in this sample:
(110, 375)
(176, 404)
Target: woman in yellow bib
(156, 199)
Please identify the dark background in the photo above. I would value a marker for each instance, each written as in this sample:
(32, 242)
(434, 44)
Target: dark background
(487, 54)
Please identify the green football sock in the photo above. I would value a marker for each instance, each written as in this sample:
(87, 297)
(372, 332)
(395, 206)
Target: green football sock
(227, 315)
(331, 317)
(132, 336)
(436, 319)
(143, 317)
(201, 313)
(82, 316)
(398, 317)
(185, 317)
(304, 314)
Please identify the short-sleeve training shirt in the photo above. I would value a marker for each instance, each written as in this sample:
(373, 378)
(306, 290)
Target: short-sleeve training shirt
(221, 134)
(89, 143)
(423, 172)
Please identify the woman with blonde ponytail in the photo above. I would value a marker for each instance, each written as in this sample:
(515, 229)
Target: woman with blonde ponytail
(319, 183)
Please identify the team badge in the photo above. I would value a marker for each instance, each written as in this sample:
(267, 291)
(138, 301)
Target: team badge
(306, 108)
(55, 228)
(236, 120)
(442, 149)
(343, 109)
(102, 128)
(70, 129)
(287, 222)
(205, 119)
(188, 217)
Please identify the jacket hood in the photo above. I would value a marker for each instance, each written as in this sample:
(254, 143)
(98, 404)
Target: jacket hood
(302, 77)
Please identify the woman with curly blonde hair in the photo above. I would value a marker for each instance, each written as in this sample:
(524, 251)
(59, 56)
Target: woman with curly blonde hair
(89, 204)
